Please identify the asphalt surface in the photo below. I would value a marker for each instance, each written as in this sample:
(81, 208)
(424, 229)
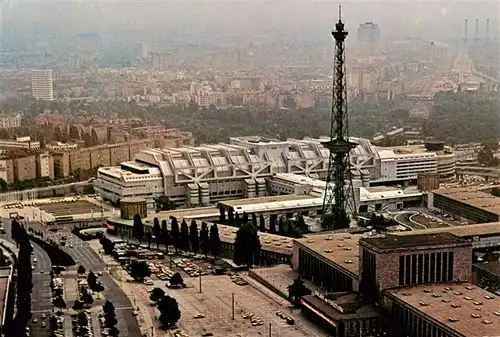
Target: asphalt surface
(84, 255)
(41, 297)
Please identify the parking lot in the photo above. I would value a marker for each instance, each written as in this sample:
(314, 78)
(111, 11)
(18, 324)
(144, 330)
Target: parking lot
(215, 305)
(67, 207)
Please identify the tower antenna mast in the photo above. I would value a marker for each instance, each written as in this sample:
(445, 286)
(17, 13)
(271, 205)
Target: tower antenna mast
(339, 200)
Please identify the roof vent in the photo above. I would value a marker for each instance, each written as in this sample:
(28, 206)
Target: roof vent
(469, 287)
(453, 319)
(427, 290)
(488, 297)
(347, 248)
(455, 305)
(446, 300)
(310, 241)
(328, 251)
(497, 313)
(348, 261)
(424, 304)
(478, 303)
(447, 288)
(328, 238)
(340, 245)
(467, 298)
(473, 315)
(457, 293)
(436, 295)
(487, 321)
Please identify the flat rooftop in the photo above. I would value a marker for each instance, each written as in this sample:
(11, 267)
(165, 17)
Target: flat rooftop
(390, 242)
(461, 231)
(262, 200)
(458, 301)
(340, 249)
(472, 197)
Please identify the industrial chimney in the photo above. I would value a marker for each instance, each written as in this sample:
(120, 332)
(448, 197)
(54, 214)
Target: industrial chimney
(477, 30)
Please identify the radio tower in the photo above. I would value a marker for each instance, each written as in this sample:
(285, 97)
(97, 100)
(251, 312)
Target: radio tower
(339, 198)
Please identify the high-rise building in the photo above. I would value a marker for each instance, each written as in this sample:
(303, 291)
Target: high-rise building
(161, 61)
(42, 85)
(369, 36)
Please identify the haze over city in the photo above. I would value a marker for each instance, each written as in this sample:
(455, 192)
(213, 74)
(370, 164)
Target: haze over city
(244, 169)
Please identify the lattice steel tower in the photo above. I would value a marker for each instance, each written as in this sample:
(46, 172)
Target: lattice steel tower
(339, 195)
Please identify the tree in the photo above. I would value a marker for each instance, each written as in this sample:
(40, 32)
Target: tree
(78, 305)
(157, 294)
(138, 228)
(273, 218)
(108, 307)
(300, 223)
(246, 246)
(204, 239)
(237, 221)
(157, 232)
(81, 270)
(176, 280)
(297, 290)
(82, 319)
(86, 297)
(230, 215)
(245, 217)
(91, 280)
(163, 203)
(175, 232)
(25, 279)
(254, 220)
(184, 243)
(3, 185)
(262, 223)
(169, 312)
(215, 244)
(193, 237)
(165, 236)
(222, 216)
(149, 238)
(139, 270)
(283, 226)
(53, 325)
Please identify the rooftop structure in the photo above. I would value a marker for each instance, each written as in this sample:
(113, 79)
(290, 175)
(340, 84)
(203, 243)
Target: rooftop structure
(461, 308)
(391, 242)
(468, 203)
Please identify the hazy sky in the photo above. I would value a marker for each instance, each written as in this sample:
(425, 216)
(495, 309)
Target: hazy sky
(247, 17)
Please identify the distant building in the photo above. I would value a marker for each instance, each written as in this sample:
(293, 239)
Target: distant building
(10, 121)
(24, 168)
(21, 143)
(61, 164)
(42, 86)
(369, 36)
(162, 61)
(7, 170)
(44, 166)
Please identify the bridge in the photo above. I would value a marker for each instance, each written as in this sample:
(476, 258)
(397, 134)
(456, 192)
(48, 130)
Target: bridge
(41, 192)
(488, 173)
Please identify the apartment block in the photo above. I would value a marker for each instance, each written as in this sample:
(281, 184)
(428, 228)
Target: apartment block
(61, 164)
(7, 170)
(119, 154)
(79, 159)
(44, 166)
(24, 168)
(100, 156)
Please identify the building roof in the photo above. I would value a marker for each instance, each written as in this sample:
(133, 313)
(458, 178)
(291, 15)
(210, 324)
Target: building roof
(461, 231)
(340, 249)
(472, 197)
(455, 301)
(261, 200)
(391, 242)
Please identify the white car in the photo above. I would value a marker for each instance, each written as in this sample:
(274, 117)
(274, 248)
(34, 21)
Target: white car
(35, 260)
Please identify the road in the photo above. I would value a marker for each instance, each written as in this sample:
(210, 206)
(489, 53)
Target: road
(41, 297)
(84, 255)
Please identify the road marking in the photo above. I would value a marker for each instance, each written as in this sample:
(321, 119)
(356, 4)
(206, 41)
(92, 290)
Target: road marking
(41, 311)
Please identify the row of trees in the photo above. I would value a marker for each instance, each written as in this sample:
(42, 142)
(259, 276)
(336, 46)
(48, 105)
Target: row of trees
(110, 320)
(168, 307)
(294, 228)
(25, 275)
(182, 237)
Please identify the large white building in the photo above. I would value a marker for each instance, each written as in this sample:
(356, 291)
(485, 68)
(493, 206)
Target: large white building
(42, 85)
(211, 173)
(10, 121)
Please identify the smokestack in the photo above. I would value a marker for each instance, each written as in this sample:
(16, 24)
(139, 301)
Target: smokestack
(477, 29)
(487, 29)
(465, 29)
